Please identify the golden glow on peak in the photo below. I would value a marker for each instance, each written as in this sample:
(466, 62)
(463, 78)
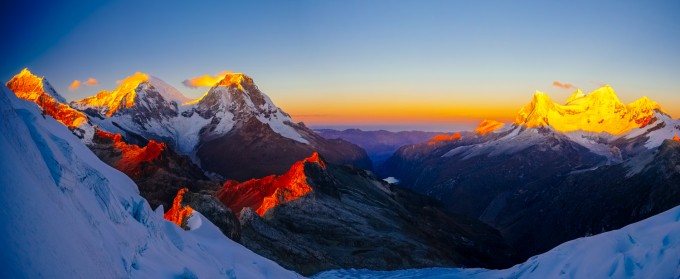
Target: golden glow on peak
(26, 72)
(488, 126)
(599, 111)
(135, 79)
(235, 79)
(577, 95)
(122, 97)
(29, 87)
(676, 138)
(225, 79)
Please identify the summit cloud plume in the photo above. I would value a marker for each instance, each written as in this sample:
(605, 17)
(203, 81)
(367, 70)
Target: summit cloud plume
(205, 81)
(563, 85)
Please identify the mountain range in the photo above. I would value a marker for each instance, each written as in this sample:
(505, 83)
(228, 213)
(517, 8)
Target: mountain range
(261, 213)
(232, 123)
(66, 214)
(557, 173)
(234, 171)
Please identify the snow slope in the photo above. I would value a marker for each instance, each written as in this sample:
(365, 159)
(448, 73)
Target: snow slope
(646, 249)
(66, 214)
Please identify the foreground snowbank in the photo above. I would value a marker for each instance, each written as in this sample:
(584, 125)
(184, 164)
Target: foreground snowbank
(647, 249)
(66, 214)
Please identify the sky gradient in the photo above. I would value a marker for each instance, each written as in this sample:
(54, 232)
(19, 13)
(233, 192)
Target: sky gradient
(430, 65)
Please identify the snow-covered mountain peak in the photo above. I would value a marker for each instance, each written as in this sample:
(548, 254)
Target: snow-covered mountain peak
(235, 89)
(604, 94)
(533, 114)
(31, 87)
(600, 111)
(236, 99)
(236, 79)
(578, 94)
(133, 90)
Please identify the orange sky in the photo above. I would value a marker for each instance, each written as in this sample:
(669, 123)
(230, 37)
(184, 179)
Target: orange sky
(444, 108)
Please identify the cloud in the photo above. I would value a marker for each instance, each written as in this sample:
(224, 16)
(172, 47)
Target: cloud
(74, 85)
(77, 83)
(91, 82)
(205, 81)
(563, 85)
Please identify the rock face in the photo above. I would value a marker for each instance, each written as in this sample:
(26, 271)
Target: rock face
(158, 171)
(265, 193)
(133, 159)
(179, 213)
(541, 185)
(539, 215)
(352, 219)
(212, 209)
(232, 123)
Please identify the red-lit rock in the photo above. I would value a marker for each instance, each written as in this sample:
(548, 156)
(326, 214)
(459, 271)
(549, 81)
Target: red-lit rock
(33, 88)
(488, 126)
(178, 213)
(444, 137)
(267, 192)
(132, 156)
(676, 138)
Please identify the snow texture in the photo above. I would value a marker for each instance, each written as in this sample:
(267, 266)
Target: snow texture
(656, 133)
(66, 214)
(391, 180)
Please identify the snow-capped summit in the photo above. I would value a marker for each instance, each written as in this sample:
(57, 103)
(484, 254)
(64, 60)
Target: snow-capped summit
(32, 87)
(141, 91)
(235, 99)
(578, 94)
(28, 86)
(600, 111)
(232, 121)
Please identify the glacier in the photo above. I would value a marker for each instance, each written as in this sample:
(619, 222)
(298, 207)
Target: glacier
(66, 214)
